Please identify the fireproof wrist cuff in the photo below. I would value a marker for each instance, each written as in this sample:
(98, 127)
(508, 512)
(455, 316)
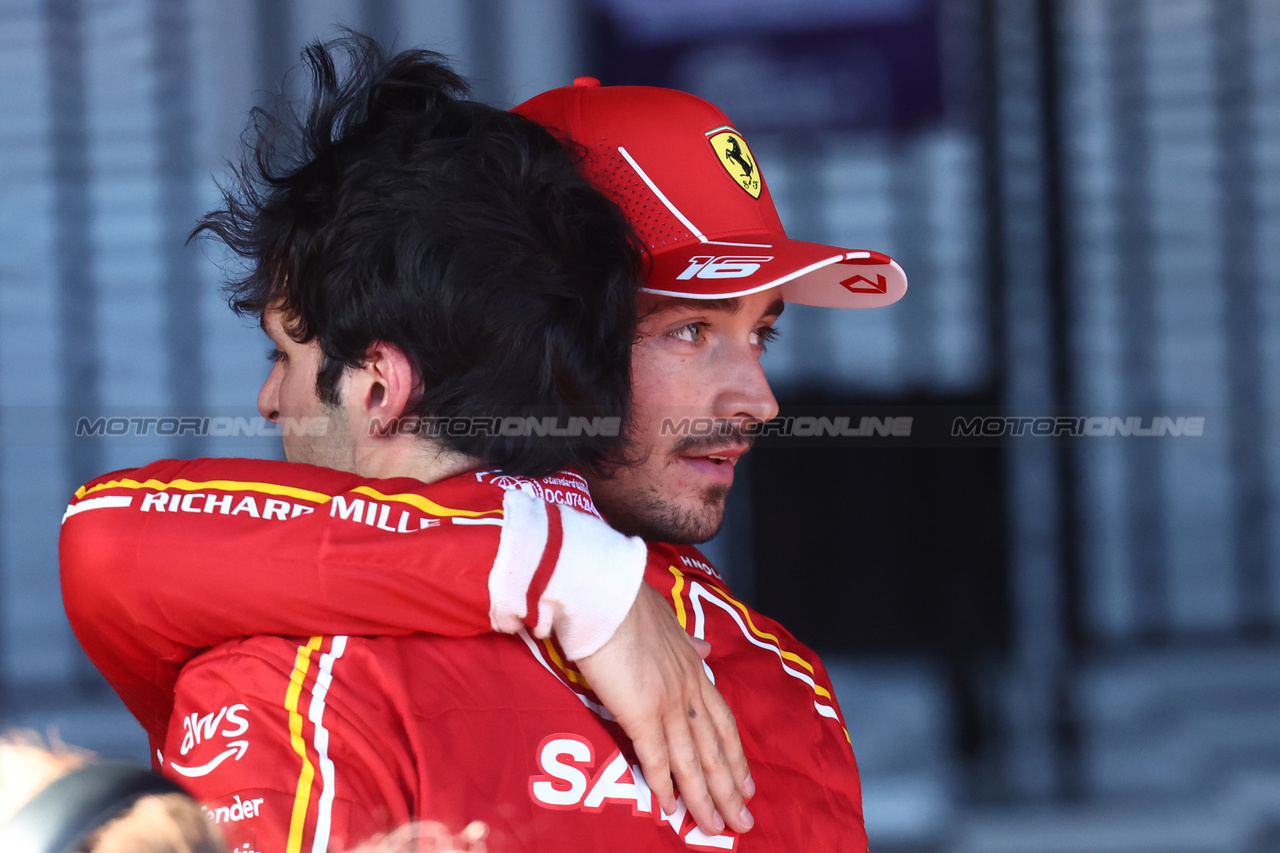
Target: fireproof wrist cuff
(563, 572)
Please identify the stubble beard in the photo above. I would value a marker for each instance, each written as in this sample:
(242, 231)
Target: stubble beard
(331, 450)
(642, 510)
(648, 515)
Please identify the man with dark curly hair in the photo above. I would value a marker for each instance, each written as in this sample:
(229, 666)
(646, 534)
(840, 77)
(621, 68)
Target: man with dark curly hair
(446, 295)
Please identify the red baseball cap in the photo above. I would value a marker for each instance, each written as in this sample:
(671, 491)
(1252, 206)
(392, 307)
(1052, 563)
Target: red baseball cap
(690, 186)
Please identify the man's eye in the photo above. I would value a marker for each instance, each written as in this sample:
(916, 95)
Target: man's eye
(691, 333)
(275, 354)
(766, 335)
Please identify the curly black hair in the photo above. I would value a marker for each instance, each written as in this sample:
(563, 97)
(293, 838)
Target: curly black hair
(395, 210)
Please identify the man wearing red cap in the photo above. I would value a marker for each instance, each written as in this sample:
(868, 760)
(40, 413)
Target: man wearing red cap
(461, 729)
(689, 184)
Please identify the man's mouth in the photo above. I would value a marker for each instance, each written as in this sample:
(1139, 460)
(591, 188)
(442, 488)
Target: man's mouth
(715, 465)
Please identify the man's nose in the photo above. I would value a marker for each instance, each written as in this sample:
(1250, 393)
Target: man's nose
(269, 397)
(748, 395)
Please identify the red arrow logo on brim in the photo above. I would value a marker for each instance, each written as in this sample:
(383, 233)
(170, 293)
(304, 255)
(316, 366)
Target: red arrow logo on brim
(880, 285)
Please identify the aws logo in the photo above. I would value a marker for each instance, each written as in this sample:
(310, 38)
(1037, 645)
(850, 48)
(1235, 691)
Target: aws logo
(734, 155)
(198, 728)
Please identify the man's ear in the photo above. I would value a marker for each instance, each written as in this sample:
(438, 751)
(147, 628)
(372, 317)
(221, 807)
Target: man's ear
(387, 386)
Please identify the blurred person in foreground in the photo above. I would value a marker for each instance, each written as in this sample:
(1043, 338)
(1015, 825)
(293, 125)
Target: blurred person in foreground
(117, 809)
(54, 799)
(721, 265)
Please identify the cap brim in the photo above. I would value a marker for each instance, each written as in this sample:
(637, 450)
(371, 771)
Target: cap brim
(807, 273)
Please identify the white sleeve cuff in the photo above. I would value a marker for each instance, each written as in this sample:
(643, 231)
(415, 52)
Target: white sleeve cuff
(524, 538)
(593, 583)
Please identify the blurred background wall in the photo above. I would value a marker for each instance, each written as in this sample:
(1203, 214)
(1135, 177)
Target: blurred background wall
(1040, 644)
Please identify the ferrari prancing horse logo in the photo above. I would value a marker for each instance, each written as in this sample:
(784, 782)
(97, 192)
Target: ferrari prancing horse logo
(732, 151)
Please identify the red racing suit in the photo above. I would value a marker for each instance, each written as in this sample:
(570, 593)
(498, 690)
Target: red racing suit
(359, 721)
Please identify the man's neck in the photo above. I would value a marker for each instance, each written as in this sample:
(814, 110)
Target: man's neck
(410, 456)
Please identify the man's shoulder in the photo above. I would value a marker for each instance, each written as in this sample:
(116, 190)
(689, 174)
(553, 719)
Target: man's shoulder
(684, 559)
(470, 493)
(240, 473)
(215, 471)
(679, 567)
(567, 488)
(477, 491)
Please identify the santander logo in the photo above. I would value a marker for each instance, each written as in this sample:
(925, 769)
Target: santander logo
(566, 782)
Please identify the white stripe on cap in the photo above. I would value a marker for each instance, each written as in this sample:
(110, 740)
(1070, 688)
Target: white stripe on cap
(661, 197)
(676, 211)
